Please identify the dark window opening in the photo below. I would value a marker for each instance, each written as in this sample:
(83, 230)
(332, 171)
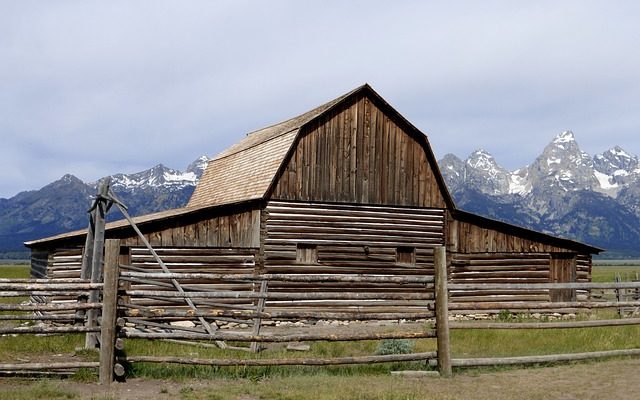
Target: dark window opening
(406, 255)
(306, 253)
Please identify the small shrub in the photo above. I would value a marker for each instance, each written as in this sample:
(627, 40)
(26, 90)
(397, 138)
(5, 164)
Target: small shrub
(394, 346)
(504, 315)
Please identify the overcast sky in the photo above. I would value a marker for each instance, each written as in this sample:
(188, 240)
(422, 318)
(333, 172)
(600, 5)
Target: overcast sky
(94, 88)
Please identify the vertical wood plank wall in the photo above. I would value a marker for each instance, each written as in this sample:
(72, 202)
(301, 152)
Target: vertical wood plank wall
(359, 155)
(240, 229)
(467, 237)
(351, 240)
(563, 269)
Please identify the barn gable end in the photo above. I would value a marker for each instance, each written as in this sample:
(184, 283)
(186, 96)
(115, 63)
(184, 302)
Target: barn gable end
(361, 153)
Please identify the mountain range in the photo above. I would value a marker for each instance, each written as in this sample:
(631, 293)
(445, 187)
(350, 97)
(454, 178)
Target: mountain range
(564, 192)
(62, 205)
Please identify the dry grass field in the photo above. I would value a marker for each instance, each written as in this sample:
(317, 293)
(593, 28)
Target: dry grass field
(613, 379)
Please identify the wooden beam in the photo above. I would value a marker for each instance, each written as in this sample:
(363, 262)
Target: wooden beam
(271, 338)
(476, 362)
(289, 361)
(544, 325)
(109, 311)
(442, 312)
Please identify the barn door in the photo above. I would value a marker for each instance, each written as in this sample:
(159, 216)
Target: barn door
(562, 270)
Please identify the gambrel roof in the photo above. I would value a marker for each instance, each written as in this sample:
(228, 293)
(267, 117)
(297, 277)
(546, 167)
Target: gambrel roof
(234, 175)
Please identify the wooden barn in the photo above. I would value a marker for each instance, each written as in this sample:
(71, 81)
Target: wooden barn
(349, 187)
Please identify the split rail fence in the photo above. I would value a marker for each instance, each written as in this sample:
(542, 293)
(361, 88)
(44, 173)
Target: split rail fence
(46, 318)
(144, 297)
(609, 296)
(189, 306)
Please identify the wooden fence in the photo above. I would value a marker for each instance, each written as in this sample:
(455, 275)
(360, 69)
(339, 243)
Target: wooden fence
(193, 294)
(46, 318)
(154, 301)
(608, 297)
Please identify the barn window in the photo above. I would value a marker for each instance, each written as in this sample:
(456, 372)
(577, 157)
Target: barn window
(306, 253)
(406, 255)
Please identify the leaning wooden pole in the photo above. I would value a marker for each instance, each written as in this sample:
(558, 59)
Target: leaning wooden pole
(442, 312)
(109, 311)
(207, 326)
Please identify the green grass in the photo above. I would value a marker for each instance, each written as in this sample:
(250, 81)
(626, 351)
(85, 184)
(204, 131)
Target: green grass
(318, 350)
(321, 387)
(22, 346)
(45, 389)
(14, 271)
(503, 343)
(607, 273)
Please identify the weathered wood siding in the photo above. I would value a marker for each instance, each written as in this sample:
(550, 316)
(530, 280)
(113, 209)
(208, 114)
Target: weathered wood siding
(467, 237)
(39, 263)
(351, 240)
(563, 269)
(65, 263)
(58, 264)
(192, 260)
(241, 229)
(359, 155)
(583, 268)
(525, 267)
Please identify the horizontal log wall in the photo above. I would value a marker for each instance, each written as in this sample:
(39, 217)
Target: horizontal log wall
(583, 268)
(61, 264)
(39, 263)
(190, 260)
(497, 268)
(350, 240)
(506, 268)
(359, 154)
(65, 263)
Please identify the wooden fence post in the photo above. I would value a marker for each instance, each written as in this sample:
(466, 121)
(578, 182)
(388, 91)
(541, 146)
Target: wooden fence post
(98, 214)
(442, 312)
(109, 310)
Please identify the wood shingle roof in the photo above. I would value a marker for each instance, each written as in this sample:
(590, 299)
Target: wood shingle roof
(234, 175)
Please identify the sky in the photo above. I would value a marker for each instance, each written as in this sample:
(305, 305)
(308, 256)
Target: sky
(94, 88)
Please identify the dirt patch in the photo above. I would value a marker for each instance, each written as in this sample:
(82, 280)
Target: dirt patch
(613, 379)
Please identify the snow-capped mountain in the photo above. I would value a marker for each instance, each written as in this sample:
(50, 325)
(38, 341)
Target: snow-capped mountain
(158, 176)
(562, 166)
(564, 191)
(62, 205)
